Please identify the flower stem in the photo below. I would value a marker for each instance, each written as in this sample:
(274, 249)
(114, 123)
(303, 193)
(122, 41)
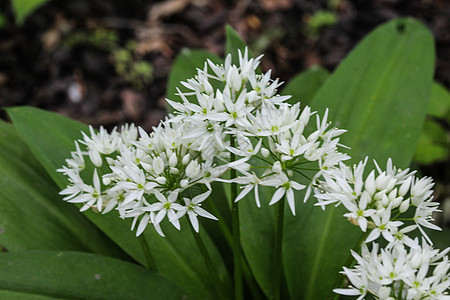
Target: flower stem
(277, 263)
(148, 255)
(252, 285)
(238, 284)
(340, 280)
(209, 264)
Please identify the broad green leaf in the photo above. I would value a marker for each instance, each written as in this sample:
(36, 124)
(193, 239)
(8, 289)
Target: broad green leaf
(439, 106)
(51, 138)
(13, 295)
(22, 8)
(433, 144)
(75, 275)
(379, 93)
(184, 67)
(258, 236)
(32, 215)
(234, 43)
(304, 86)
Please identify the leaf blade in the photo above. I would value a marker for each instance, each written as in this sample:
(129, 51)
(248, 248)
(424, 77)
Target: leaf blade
(82, 275)
(394, 83)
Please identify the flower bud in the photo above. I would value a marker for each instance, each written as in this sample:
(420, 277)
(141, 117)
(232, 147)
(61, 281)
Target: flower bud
(161, 180)
(370, 183)
(186, 159)
(404, 206)
(158, 165)
(277, 167)
(396, 202)
(384, 200)
(392, 195)
(184, 183)
(382, 181)
(106, 180)
(193, 169)
(95, 157)
(405, 187)
(173, 160)
(265, 152)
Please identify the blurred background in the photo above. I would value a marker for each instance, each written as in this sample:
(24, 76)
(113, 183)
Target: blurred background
(107, 62)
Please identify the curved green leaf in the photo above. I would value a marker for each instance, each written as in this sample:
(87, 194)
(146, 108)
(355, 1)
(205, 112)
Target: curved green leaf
(434, 145)
(234, 43)
(258, 237)
(74, 275)
(22, 8)
(304, 86)
(379, 93)
(440, 102)
(11, 295)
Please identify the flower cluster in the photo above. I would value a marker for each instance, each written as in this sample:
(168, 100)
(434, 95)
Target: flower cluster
(150, 178)
(248, 119)
(145, 175)
(384, 203)
(396, 273)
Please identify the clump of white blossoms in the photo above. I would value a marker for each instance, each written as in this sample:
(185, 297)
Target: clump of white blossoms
(399, 273)
(147, 177)
(390, 204)
(247, 118)
(143, 177)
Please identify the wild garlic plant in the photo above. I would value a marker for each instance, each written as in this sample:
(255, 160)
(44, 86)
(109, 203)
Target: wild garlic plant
(231, 126)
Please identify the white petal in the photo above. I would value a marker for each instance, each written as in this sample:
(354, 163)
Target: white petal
(277, 195)
(143, 224)
(193, 219)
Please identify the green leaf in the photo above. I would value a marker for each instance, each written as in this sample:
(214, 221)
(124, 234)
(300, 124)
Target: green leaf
(32, 215)
(439, 106)
(379, 93)
(258, 236)
(22, 8)
(304, 86)
(433, 144)
(234, 43)
(185, 67)
(74, 275)
(13, 295)
(51, 138)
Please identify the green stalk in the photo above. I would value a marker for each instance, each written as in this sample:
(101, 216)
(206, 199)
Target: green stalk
(238, 285)
(209, 264)
(254, 289)
(277, 263)
(340, 280)
(151, 265)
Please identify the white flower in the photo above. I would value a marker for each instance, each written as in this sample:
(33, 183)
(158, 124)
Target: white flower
(420, 273)
(359, 213)
(251, 181)
(284, 187)
(165, 206)
(193, 209)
